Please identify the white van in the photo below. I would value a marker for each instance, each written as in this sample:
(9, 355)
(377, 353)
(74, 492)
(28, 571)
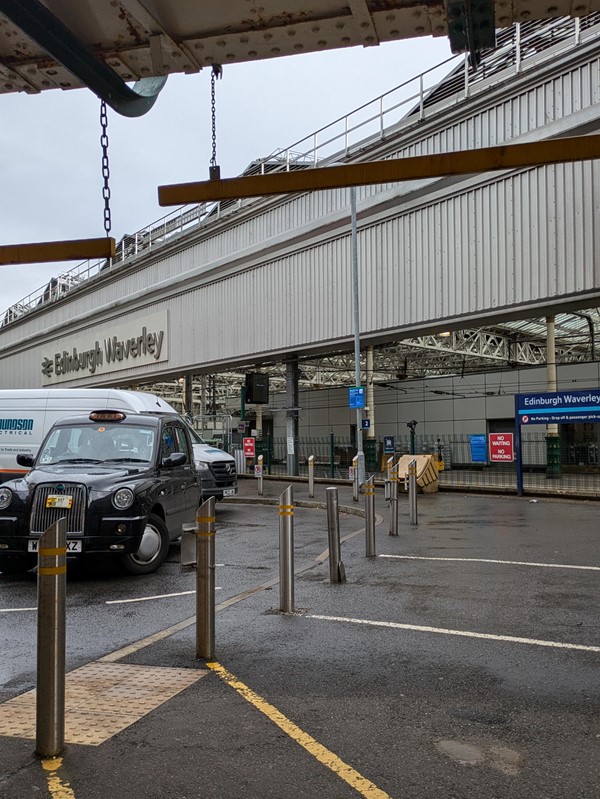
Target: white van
(26, 415)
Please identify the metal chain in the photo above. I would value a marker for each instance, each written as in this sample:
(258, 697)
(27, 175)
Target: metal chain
(214, 170)
(105, 167)
(213, 112)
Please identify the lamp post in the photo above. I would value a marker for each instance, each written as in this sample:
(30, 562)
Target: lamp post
(356, 323)
(411, 426)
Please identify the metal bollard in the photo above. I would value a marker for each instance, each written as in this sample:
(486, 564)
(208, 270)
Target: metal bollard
(311, 476)
(258, 469)
(412, 491)
(51, 640)
(394, 501)
(389, 465)
(205, 579)
(387, 485)
(370, 517)
(355, 478)
(337, 571)
(286, 551)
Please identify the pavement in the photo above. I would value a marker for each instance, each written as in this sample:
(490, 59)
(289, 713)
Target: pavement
(462, 661)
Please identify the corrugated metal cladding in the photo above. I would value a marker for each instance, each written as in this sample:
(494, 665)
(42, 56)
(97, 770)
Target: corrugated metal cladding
(238, 289)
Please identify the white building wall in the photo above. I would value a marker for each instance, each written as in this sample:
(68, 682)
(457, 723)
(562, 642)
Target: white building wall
(442, 406)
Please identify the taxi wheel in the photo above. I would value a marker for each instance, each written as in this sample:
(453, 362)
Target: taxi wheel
(152, 551)
(16, 564)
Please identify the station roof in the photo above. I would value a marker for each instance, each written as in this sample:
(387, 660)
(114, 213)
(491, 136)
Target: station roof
(62, 44)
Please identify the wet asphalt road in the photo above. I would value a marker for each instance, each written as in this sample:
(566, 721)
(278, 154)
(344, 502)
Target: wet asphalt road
(417, 713)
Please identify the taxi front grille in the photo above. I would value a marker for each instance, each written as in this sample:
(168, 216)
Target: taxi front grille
(42, 517)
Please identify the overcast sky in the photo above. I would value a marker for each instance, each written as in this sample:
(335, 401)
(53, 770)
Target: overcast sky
(50, 157)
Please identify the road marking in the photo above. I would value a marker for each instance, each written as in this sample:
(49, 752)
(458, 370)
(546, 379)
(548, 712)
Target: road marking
(489, 560)
(147, 598)
(462, 633)
(15, 610)
(56, 787)
(331, 761)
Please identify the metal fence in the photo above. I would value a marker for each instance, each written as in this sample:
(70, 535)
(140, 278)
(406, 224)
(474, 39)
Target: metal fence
(579, 473)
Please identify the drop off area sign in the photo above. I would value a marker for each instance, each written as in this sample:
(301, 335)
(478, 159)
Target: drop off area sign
(552, 407)
(558, 407)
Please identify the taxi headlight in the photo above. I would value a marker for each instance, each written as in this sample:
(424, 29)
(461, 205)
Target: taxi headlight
(5, 498)
(123, 498)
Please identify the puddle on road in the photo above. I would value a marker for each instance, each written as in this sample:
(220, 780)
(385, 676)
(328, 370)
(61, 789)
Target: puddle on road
(494, 755)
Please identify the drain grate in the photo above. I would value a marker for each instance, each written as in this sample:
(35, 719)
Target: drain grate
(101, 699)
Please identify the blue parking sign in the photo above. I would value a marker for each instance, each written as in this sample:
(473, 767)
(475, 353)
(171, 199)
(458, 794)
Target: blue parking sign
(356, 397)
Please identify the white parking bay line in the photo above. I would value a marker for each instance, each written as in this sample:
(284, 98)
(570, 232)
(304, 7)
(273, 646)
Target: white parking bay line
(15, 610)
(148, 598)
(462, 633)
(489, 560)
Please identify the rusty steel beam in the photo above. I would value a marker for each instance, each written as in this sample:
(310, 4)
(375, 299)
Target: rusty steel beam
(462, 162)
(47, 251)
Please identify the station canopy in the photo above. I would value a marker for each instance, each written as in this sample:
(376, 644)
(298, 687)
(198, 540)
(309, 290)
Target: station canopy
(64, 44)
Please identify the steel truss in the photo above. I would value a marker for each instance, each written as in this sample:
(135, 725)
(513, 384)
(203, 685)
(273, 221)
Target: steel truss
(515, 344)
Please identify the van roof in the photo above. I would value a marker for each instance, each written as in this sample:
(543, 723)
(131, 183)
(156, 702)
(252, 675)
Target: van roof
(121, 399)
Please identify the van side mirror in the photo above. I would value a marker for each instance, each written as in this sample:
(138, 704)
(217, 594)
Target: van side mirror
(176, 459)
(25, 460)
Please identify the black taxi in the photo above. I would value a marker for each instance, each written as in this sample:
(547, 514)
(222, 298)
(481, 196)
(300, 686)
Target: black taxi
(124, 482)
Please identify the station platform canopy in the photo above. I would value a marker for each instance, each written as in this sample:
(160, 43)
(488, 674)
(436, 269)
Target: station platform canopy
(107, 44)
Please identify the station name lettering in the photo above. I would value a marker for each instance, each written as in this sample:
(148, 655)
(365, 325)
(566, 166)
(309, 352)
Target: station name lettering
(113, 350)
(563, 399)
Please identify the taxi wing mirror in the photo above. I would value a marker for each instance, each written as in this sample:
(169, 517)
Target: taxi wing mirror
(176, 459)
(25, 460)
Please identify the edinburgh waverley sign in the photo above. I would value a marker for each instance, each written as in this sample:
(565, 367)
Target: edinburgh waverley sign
(558, 407)
(108, 349)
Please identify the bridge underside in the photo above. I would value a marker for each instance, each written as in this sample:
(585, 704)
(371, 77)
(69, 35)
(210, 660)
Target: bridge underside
(106, 44)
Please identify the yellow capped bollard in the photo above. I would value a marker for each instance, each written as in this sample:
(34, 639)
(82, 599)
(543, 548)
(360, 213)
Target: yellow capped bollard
(51, 640)
(205, 579)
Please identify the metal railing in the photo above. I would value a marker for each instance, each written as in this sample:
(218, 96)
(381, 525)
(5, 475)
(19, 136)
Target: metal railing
(579, 469)
(453, 80)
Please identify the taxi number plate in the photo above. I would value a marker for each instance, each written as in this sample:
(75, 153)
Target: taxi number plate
(228, 492)
(72, 546)
(59, 501)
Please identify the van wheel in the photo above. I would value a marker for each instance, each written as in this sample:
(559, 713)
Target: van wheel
(16, 564)
(153, 548)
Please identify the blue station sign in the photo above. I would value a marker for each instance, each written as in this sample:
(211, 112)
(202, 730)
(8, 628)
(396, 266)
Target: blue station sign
(478, 448)
(356, 397)
(558, 407)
